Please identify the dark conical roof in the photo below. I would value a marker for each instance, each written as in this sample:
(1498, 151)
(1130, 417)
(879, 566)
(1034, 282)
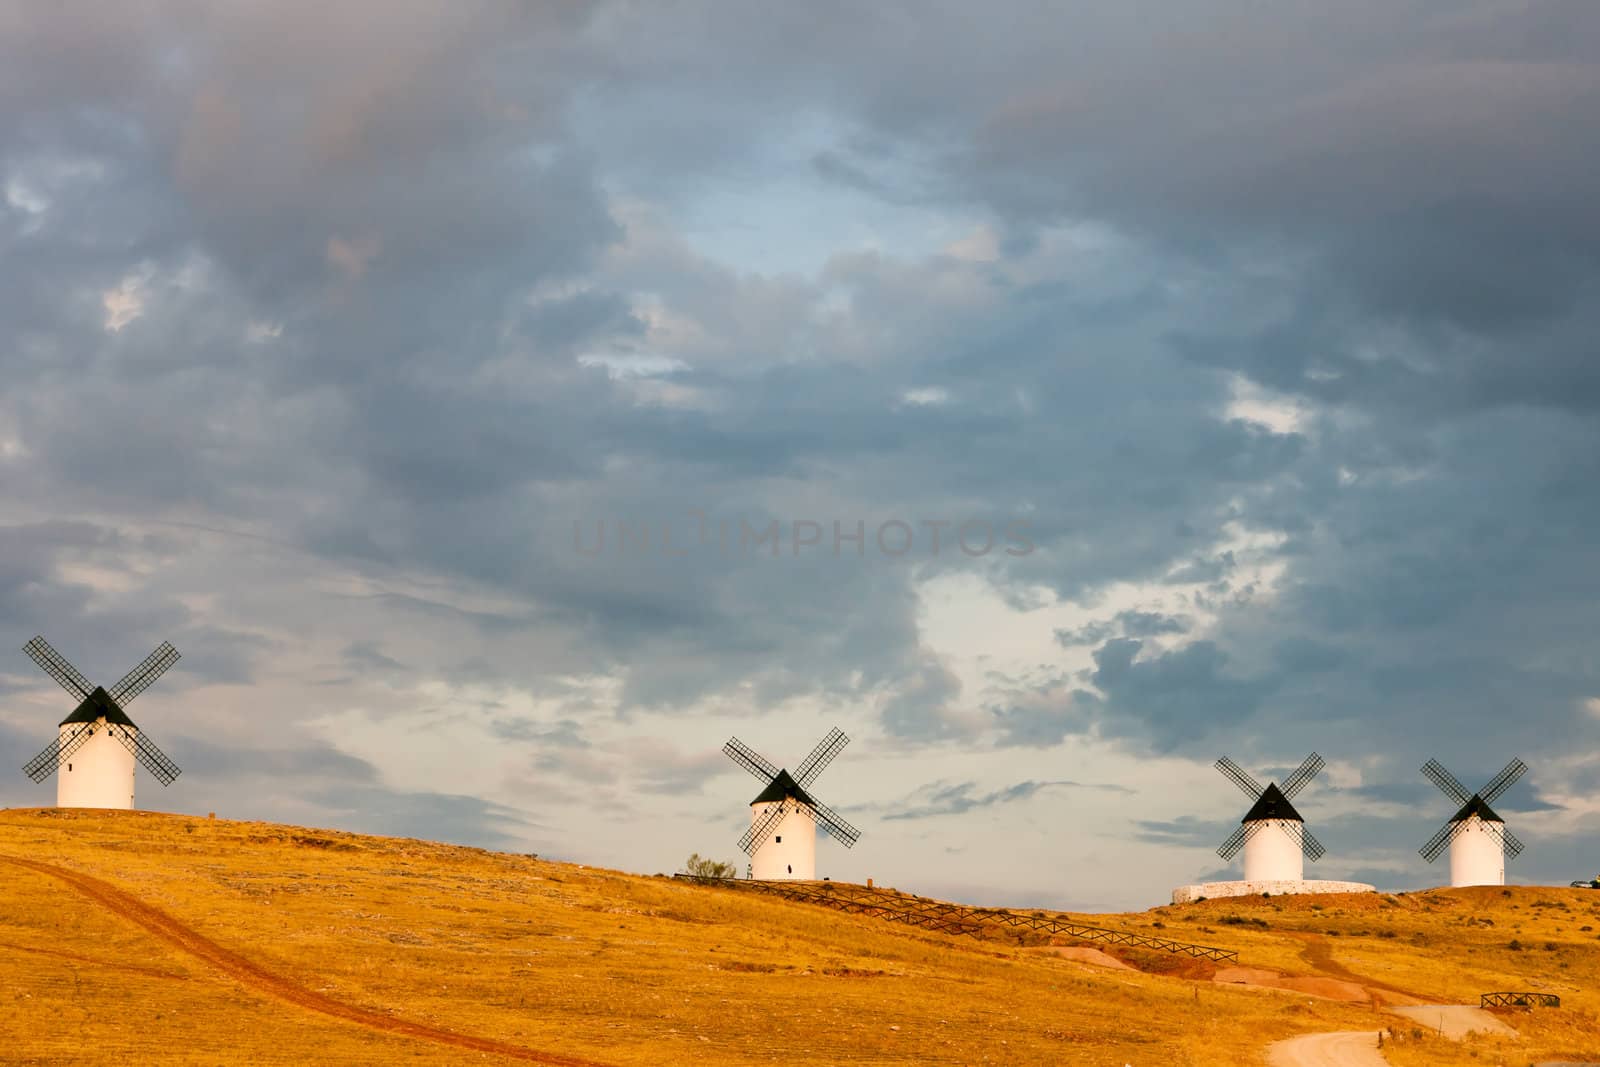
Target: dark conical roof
(1272, 804)
(780, 788)
(1479, 807)
(99, 705)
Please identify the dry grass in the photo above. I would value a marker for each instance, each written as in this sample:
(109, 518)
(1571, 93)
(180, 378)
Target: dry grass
(624, 969)
(1439, 946)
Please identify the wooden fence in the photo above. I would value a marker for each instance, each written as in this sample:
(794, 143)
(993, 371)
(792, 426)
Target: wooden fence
(1519, 1000)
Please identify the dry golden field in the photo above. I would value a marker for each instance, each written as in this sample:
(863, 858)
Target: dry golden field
(147, 938)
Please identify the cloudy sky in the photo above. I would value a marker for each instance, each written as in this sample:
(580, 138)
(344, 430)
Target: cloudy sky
(1241, 356)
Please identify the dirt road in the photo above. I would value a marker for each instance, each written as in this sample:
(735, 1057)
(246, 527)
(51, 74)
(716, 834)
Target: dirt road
(1328, 1050)
(1318, 952)
(1456, 1020)
(189, 940)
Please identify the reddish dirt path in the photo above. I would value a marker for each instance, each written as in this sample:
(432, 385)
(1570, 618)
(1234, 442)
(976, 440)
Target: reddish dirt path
(1318, 952)
(189, 940)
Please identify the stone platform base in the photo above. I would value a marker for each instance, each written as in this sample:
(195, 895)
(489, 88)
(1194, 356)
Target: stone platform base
(1188, 894)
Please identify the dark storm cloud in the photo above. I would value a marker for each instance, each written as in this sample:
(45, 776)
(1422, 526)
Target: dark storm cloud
(664, 771)
(376, 259)
(215, 762)
(452, 468)
(19, 744)
(961, 797)
(1176, 697)
(920, 708)
(1415, 163)
(256, 783)
(1186, 830)
(427, 816)
(566, 734)
(49, 586)
(1125, 624)
(275, 784)
(365, 657)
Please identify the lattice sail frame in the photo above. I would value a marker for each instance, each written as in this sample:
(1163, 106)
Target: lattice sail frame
(764, 770)
(136, 681)
(823, 754)
(1310, 847)
(1309, 768)
(56, 666)
(1493, 790)
(141, 677)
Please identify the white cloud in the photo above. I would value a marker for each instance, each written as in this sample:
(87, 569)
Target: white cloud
(125, 303)
(1254, 403)
(928, 396)
(981, 246)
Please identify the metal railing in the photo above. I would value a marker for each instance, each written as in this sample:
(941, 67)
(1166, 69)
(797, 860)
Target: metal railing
(956, 918)
(1519, 1000)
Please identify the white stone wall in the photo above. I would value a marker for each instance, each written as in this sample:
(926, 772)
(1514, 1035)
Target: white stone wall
(790, 851)
(97, 775)
(1188, 894)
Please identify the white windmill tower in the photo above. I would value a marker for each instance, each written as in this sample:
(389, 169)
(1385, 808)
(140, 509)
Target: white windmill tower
(97, 745)
(782, 839)
(1478, 838)
(1272, 834)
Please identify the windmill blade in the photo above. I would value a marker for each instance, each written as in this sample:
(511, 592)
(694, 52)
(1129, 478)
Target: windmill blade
(1448, 783)
(821, 756)
(56, 753)
(1236, 774)
(1498, 830)
(1436, 844)
(125, 737)
(1507, 840)
(140, 678)
(1307, 771)
(57, 667)
(750, 759)
(154, 760)
(1310, 847)
(1503, 781)
(1230, 848)
(831, 821)
(758, 833)
(45, 763)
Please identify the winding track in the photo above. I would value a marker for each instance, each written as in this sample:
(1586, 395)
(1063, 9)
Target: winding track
(1318, 952)
(1361, 1049)
(1456, 1021)
(190, 941)
(1357, 1049)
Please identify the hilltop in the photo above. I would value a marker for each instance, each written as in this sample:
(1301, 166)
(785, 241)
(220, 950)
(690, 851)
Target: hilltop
(136, 936)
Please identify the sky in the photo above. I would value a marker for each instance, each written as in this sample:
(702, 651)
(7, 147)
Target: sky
(502, 404)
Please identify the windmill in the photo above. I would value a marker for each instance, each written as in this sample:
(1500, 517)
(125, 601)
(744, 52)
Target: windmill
(782, 839)
(97, 744)
(1272, 834)
(1478, 839)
